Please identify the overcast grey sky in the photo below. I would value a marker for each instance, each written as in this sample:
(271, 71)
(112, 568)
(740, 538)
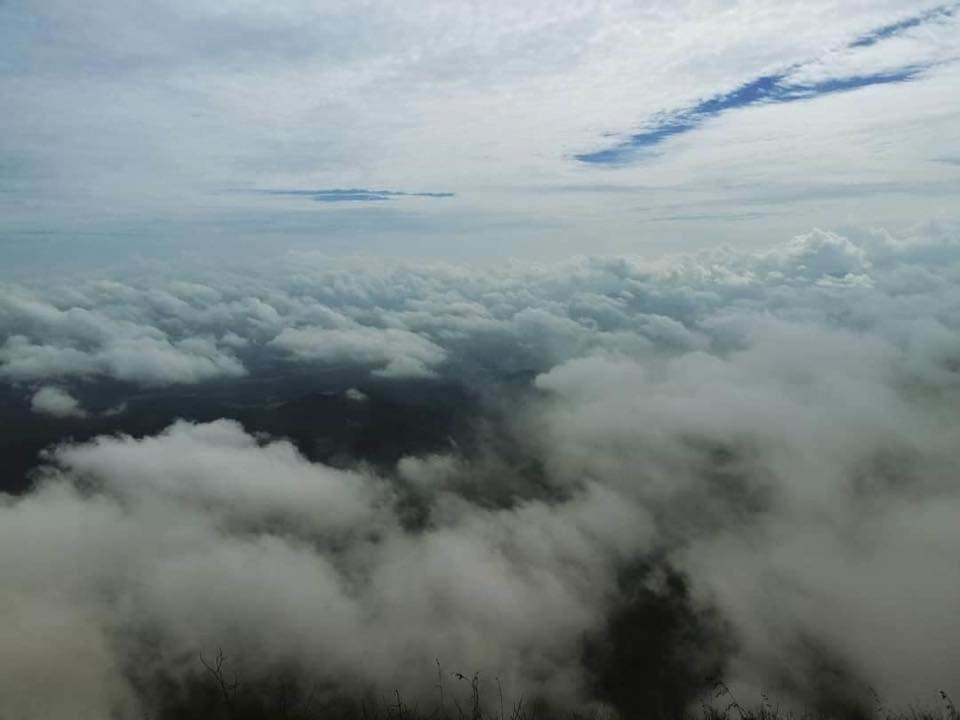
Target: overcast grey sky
(468, 130)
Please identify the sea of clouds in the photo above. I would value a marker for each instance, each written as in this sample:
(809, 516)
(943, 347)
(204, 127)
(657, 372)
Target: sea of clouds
(780, 428)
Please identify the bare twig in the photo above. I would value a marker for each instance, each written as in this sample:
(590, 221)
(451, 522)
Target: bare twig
(227, 690)
(500, 690)
(951, 707)
(723, 689)
(443, 710)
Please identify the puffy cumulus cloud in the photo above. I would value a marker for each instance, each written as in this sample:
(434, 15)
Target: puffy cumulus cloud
(778, 428)
(819, 257)
(205, 537)
(395, 353)
(145, 361)
(95, 335)
(57, 402)
(803, 476)
(399, 320)
(219, 466)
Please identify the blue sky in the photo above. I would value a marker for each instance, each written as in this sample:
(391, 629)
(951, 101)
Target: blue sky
(776, 88)
(354, 194)
(780, 87)
(449, 130)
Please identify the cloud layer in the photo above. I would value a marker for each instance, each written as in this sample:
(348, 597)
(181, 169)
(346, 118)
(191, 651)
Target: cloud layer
(205, 538)
(778, 427)
(406, 320)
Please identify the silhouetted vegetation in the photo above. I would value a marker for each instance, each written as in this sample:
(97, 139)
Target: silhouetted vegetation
(217, 692)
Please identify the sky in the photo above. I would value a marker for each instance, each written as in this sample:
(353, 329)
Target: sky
(468, 131)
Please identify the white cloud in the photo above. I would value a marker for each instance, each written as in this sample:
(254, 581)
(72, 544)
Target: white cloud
(208, 537)
(355, 395)
(91, 334)
(146, 361)
(393, 352)
(220, 467)
(400, 320)
(779, 424)
(804, 476)
(49, 400)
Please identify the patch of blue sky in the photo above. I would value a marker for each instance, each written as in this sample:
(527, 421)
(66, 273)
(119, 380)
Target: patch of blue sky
(333, 195)
(766, 89)
(887, 31)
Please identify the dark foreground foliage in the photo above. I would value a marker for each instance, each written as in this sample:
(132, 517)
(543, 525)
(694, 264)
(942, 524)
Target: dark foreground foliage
(218, 694)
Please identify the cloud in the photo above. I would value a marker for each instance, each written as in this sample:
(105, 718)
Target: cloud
(145, 361)
(775, 429)
(47, 341)
(399, 320)
(54, 401)
(239, 543)
(801, 469)
(201, 468)
(391, 351)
